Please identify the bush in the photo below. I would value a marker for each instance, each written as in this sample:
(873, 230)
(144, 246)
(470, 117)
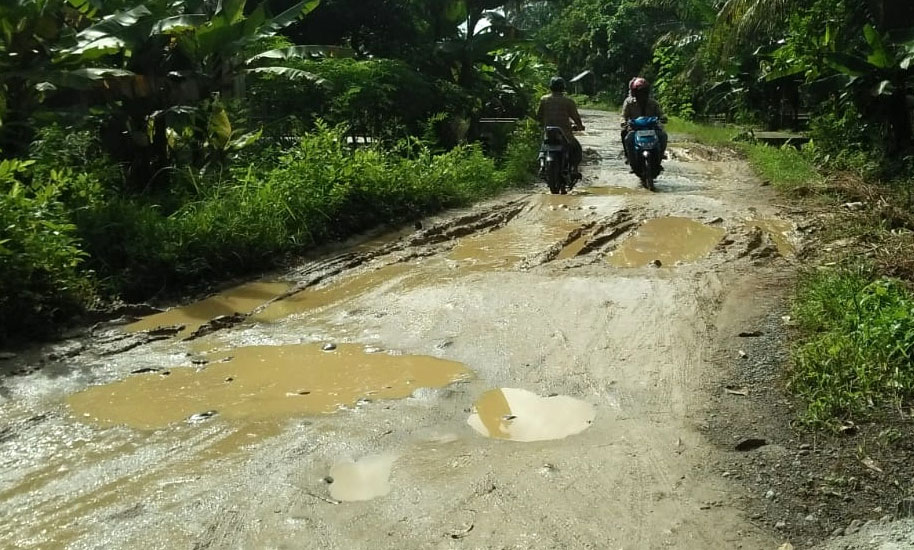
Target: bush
(40, 257)
(314, 193)
(857, 355)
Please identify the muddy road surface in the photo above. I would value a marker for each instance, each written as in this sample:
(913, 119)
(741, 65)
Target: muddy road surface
(533, 372)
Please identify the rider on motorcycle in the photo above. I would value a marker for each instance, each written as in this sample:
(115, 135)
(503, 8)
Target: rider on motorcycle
(639, 103)
(557, 109)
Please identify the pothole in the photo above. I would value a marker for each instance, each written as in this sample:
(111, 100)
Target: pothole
(262, 382)
(520, 415)
(241, 299)
(667, 240)
(779, 230)
(506, 247)
(363, 479)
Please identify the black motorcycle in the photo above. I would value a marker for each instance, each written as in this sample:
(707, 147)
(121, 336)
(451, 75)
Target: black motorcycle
(555, 161)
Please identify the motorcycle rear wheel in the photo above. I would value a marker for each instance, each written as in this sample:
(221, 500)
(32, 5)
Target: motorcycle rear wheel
(554, 177)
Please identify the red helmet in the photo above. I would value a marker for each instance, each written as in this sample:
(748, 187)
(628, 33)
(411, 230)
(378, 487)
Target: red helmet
(639, 85)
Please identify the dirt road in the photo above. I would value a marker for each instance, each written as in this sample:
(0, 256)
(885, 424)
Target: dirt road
(534, 372)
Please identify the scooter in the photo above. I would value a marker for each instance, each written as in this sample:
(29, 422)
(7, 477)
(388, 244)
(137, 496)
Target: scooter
(645, 157)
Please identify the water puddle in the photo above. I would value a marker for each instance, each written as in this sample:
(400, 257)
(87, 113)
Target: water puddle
(364, 479)
(507, 246)
(573, 248)
(263, 382)
(780, 233)
(520, 415)
(336, 292)
(241, 299)
(669, 240)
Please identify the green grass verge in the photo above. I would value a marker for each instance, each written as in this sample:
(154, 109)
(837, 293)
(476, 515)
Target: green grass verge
(703, 133)
(856, 356)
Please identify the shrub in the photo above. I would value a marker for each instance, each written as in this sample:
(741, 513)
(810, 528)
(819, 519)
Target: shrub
(857, 355)
(40, 280)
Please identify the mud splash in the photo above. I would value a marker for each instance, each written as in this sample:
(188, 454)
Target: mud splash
(669, 240)
(520, 415)
(364, 479)
(263, 382)
(241, 299)
(780, 233)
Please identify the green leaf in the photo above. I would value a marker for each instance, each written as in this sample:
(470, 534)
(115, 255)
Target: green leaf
(219, 127)
(291, 15)
(302, 52)
(290, 73)
(880, 57)
(884, 88)
(232, 10)
(848, 64)
(246, 140)
(179, 23)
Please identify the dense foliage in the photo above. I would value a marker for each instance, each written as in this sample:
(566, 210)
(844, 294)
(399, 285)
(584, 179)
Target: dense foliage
(149, 145)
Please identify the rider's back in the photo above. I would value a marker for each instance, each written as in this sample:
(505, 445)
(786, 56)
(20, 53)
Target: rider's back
(558, 110)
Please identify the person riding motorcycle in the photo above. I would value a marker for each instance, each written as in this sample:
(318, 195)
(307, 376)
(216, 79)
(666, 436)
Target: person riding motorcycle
(557, 109)
(639, 103)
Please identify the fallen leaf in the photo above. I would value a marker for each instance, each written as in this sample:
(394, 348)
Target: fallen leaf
(733, 390)
(785, 546)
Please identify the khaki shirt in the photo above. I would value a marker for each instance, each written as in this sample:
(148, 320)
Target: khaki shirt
(631, 109)
(558, 110)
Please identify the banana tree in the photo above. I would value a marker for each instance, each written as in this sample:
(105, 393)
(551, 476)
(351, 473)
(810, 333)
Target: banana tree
(880, 80)
(156, 62)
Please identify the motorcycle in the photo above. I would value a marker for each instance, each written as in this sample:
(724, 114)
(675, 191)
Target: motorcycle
(554, 161)
(645, 158)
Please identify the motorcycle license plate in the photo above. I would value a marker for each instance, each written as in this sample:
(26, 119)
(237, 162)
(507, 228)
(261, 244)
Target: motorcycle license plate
(646, 133)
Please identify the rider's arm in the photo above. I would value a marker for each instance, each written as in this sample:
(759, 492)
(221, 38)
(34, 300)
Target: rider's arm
(575, 116)
(539, 113)
(626, 112)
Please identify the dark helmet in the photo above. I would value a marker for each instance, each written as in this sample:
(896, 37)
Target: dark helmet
(557, 84)
(639, 85)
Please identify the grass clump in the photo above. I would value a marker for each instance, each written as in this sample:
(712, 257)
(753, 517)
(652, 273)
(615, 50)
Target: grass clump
(703, 133)
(787, 168)
(856, 355)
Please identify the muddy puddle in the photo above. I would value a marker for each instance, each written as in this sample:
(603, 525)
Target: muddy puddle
(779, 230)
(363, 479)
(241, 299)
(262, 382)
(668, 240)
(520, 415)
(509, 245)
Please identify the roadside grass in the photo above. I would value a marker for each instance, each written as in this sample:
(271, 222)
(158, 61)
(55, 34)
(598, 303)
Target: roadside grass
(853, 351)
(854, 358)
(62, 246)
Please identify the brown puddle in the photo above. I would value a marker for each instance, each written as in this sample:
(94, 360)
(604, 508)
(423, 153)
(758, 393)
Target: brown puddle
(364, 479)
(505, 247)
(780, 233)
(318, 297)
(241, 299)
(573, 248)
(262, 382)
(668, 240)
(520, 415)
